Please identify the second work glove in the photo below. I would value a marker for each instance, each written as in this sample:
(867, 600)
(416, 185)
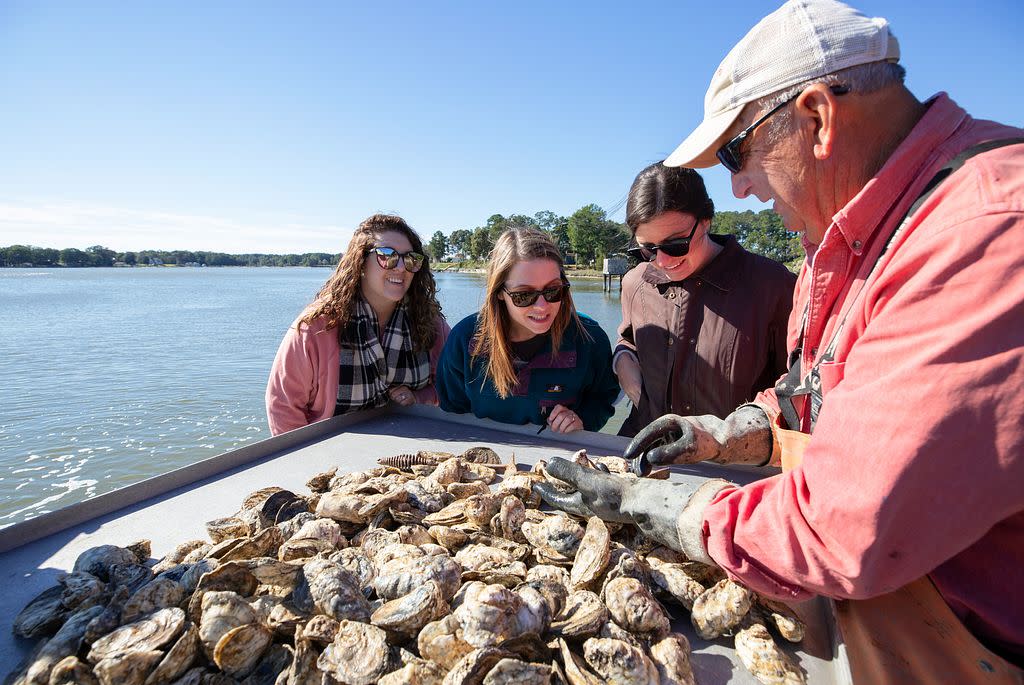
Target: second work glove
(671, 512)
(743, 437)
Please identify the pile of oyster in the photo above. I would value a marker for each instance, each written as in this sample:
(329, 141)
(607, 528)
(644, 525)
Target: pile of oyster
(431, 568)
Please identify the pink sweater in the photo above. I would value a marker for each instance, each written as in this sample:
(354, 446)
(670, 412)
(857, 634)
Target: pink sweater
(303, 385)
(916, 464)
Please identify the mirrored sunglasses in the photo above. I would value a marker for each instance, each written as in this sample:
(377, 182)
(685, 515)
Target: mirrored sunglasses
(388, 258)
(525, 298)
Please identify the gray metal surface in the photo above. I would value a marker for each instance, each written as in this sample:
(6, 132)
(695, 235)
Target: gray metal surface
(174, 507)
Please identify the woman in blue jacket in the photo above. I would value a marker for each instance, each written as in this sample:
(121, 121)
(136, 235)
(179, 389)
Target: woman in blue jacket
(527, 356)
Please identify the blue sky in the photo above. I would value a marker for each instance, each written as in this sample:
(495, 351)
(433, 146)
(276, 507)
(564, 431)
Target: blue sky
(274, 127)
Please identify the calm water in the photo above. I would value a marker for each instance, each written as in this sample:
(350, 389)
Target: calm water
(111, 376)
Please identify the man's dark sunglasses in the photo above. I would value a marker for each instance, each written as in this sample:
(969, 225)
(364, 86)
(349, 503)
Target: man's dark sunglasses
(388, 258)
(730, 154)
(526, 298)
(677, 247)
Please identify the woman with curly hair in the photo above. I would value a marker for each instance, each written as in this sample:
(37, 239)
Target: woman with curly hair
(527, 356)
(373, 334)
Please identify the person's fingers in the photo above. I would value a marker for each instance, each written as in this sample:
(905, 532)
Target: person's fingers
(567, 502)
(566, 470)
(565, 422)
(669, 428)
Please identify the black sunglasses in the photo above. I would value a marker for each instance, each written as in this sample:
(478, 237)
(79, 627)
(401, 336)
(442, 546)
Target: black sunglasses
(677, 247)
(388, 258)
(525, 298)
(730, 154)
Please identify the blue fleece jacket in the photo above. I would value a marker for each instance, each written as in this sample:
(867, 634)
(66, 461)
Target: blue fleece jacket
(579, 377)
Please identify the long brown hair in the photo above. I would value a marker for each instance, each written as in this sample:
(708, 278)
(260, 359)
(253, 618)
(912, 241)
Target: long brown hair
(492, 337)
(336, 300)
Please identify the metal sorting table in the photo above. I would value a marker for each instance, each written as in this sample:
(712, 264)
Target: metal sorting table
(172, 508)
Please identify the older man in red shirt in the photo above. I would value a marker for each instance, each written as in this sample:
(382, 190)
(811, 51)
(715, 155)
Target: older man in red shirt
(900, 425)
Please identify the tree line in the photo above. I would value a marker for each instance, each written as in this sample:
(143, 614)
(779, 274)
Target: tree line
(585, 237)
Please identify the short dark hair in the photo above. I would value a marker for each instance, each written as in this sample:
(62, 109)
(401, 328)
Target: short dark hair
(659, 188)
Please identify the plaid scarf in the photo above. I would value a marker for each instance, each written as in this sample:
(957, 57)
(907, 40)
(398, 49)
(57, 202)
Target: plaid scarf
(370, 366)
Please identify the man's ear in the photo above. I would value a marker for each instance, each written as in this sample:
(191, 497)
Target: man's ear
(815, 110)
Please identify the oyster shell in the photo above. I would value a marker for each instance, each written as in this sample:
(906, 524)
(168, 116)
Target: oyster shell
(98, 560)
(785, 620)
(441, 642)
(720, 609)
(557, 537)
(672, 658)
(399, 577)
(329, 588)
(41, 616)
(515, 672)
(592, 555)
(222, 611)
(634, 608)
(618, 662)
(674, 580)
(471, 668)
(582, 616)
(241, 648)
(763, 658)
(178, 658)
(358, 656)
(160, 593)
(407, 615)
(150, 633)
(72, 671)
(495, 614)
(127, 668)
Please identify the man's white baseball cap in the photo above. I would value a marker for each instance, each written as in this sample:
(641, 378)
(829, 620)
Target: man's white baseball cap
(800, 41)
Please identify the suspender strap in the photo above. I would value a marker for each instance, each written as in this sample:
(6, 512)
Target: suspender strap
(792, 385)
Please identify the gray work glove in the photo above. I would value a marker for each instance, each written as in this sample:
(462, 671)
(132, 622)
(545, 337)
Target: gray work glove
(743, 437)
(671, 512)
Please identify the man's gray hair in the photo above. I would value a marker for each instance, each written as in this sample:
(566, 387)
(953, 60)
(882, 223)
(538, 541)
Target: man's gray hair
(863, 78)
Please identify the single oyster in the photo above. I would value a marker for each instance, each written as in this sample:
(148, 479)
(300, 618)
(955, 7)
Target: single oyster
(419, 672)
(553, 593)
(407, 615)
(399, 577)
(161, 593)
(127, 668)
(227, 528)
(618, 662)
(178, 658)
(471, 668)
(720, 609)
(360, 565)
(222, 611)
(66, 642)
(98, 560)
(448, 537)
(72, 671)
(150, 633)
(511, 518)
(42, 616)
(441, 641)
(557, 537)
(576, 671)
(592, 555)
(672, 657)
(783, 617)
(241, 648)
(358, 655)
(82, 590)
(634, 608)
(763, 658)
(318, 535)
(549, 572)
(495, 614)
(329, 588)
(582, 615)
(516, 672)
(674, 580)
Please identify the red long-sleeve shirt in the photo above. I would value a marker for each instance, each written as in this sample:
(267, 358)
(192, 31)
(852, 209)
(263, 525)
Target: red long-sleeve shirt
(916, 464)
